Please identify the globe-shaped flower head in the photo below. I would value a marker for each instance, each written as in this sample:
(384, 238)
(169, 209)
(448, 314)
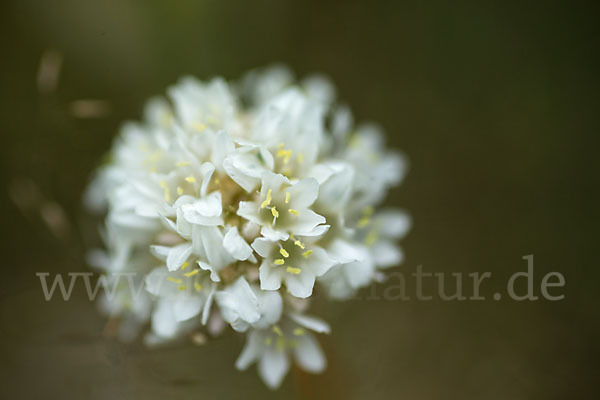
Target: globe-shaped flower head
(234, 203)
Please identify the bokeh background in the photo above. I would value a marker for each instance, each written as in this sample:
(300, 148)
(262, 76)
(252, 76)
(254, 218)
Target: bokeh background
(495, 103)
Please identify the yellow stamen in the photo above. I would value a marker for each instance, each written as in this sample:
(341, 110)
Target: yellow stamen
(182, 287)
(293, 212)
(287, 197)
(299, 331)
(307, 253)
(292, 270)
(185, 265)
(368, 211)
(163, 184)
(284, 253)
(277, 330)
(371, 238)
(299, 244)
(275, 212)
(286, 154)
(198, 126)
(197, 286)
(190, 179)
(179, 190)
(192, 273)
(268, 340)
(267, 200)
(279, 261)
(364, 221)
(280, 345)
(174, 280)
(182, 164)
(300, 158)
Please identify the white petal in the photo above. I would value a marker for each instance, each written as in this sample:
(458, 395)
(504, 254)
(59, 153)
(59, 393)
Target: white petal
(205, 211)
(187, 307)
(309, 355)
(236, 245)
(155, 280)
(306, 222)
(386, 254)
(359, 274)
(318, 262)
(304, 193)
(249, 211)
(273, 234)
(160, 252)
(272, 181)
(163, 320)
(214, 275)
(263, 246)
(223, 145)
(252, 350)
(312, 323)
(212, 240)
(300, 285)
(270, 305)
(273, 366)
(207, 169)
(342, 251)
(238, 301)
(394, 223)
(270, 277)
(178, 255)
(208, 305)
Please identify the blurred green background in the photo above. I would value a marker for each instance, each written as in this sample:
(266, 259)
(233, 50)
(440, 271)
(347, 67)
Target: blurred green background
(495, 103)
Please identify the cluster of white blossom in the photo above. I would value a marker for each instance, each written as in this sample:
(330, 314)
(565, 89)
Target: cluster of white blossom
(234, 203)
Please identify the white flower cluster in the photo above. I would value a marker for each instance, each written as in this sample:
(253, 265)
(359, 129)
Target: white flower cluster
(234, 203)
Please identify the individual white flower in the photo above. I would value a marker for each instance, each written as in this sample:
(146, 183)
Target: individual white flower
(296, 263)
(282, 208)
(272, 348)
(231, 202)
(243, 306)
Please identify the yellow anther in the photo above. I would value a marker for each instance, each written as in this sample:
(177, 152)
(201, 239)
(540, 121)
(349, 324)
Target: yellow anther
(174, 280)
(182, 287)
(284, 253)
(371, 238)
(368, 211)
(182, 164)
(211, 119)
(217, 181)
(280, 145)
(190, 179)
(364, 221)
(307, 253)
(299, 331)
(275, 212)
(268, 341)
(280, 345)
(287, 197)
(268, 199)
(192, 273)
(163, 184)
(286, 154)
(185, 265)
(279, 261)
(179, 190)
(299, 244)
(277, 330)
(293, 212)
(197, 286)
(198, 126)
(300, 158)
(293, 270)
